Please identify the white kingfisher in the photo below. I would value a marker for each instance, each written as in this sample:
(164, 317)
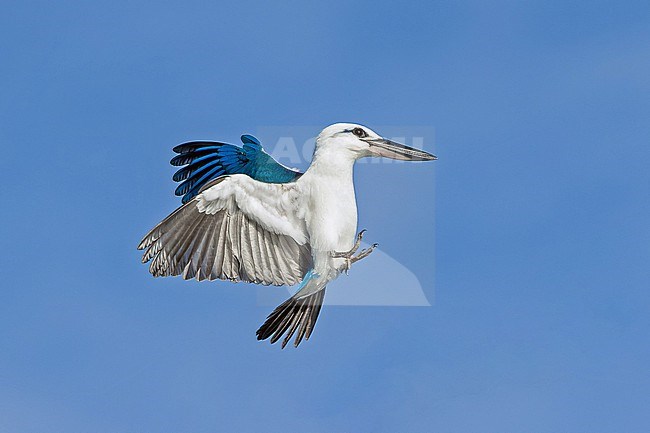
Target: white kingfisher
(246, 217)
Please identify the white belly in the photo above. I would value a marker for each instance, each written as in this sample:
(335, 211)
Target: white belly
(332, 219)
(332, 224)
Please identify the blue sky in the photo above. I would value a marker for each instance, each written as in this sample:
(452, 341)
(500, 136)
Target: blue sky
(538, 206)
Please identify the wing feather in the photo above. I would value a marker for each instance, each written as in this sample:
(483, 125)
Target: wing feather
(235, 246)
(237, 229)
(277, 255)
(275, 267)
(264, 257)
(217, 270)
(246, 251)
(210, 251)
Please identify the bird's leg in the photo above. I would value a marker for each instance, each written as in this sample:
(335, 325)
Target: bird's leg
(348, 255)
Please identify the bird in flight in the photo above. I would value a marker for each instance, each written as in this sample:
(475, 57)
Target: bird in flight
(246, 217)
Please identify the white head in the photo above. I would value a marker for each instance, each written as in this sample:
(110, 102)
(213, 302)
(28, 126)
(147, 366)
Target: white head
(353, 141)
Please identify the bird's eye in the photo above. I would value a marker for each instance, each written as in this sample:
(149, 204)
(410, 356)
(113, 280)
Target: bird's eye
(359, 132)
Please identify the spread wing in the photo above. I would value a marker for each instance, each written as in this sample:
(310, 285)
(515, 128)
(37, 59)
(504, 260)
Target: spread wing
(204, 161)
(235, 229)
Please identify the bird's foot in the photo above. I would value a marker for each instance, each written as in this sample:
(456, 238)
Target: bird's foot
(349, 255)
(362, 255)
(355, 247)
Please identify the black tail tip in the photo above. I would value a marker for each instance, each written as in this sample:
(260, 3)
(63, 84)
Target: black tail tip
(293, 315)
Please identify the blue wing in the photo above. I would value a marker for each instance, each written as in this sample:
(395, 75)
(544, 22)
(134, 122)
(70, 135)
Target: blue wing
(207, 160)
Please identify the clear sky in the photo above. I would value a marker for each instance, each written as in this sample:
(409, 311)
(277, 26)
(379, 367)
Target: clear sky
(539, 211)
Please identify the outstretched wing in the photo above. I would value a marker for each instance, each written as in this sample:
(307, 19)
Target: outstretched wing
(235, 229)
(207, 160)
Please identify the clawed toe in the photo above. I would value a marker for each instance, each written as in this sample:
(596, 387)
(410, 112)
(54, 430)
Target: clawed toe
(355, 247)
(349, 256)
(363, 254)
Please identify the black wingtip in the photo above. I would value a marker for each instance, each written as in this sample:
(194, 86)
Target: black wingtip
(294, 314)
(192, 146)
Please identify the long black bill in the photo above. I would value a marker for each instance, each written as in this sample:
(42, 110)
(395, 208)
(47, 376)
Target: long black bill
(391, 149)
